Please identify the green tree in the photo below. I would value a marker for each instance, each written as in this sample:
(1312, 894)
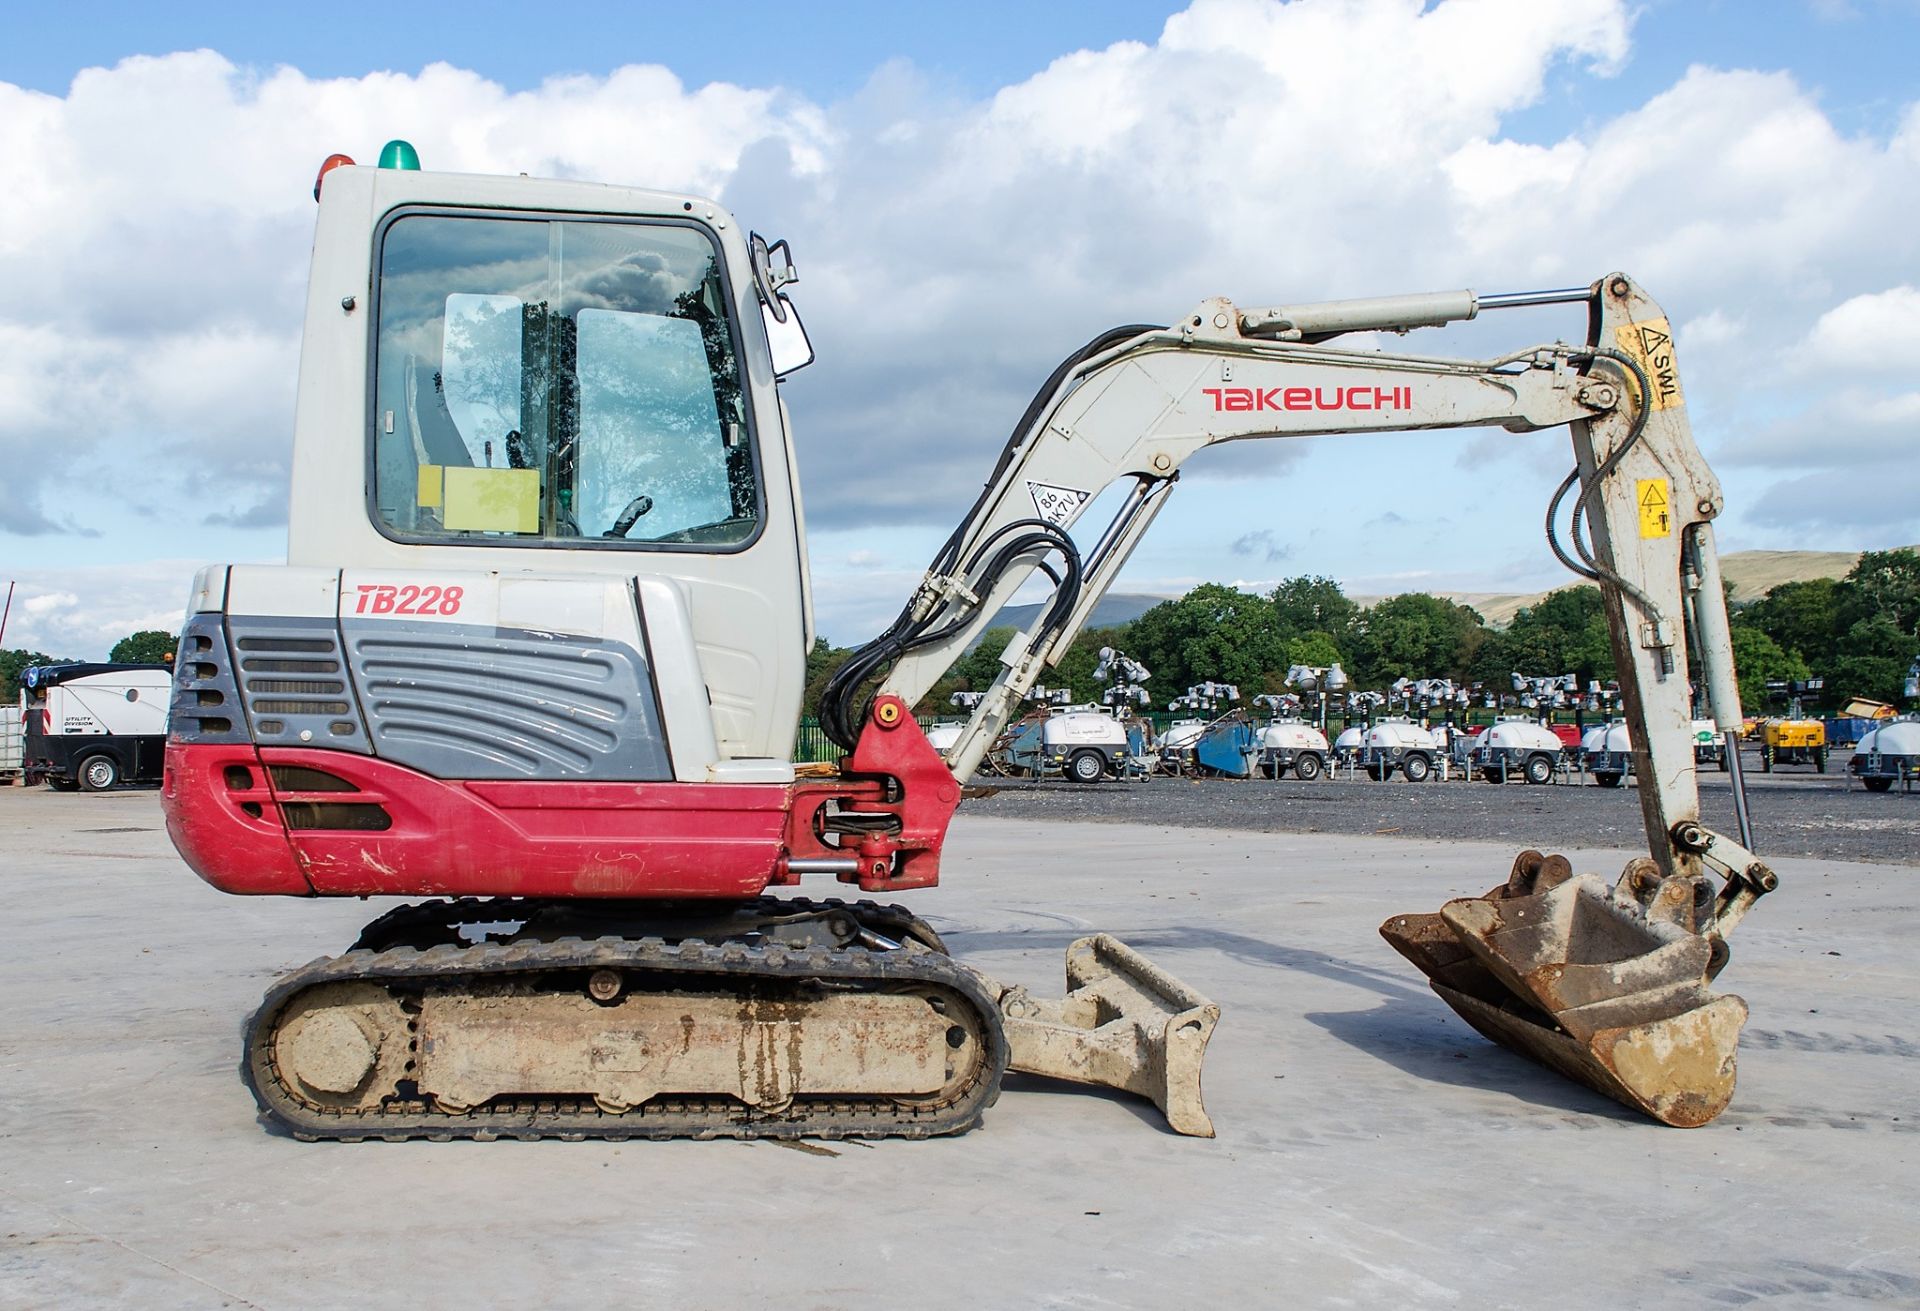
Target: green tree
(1415, 635)
(149, 646)
(1887, 584)
(1871, 660)
(822, 660)
(1310, 604)
(1803, 617)
(1758, 660)
(1213, 632)
(16, 662)
(1564, 633)
(1314, 648)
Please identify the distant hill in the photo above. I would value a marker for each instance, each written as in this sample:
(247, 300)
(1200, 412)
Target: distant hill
(1114, 608)
(1752, 573)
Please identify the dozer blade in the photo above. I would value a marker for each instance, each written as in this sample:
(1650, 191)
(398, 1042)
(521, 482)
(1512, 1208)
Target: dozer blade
(1124, 1023)
(1607, 986)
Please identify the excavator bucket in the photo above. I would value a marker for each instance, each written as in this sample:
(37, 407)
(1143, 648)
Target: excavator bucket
(1608, 986)
(1124, 1023)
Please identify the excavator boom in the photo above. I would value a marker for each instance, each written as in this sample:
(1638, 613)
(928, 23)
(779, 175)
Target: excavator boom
(1640, 503)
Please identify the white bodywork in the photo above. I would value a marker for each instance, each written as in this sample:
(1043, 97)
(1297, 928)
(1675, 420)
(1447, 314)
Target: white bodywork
(1083, 726)
(130, 703)
(1293, 735)
(1613, 737)
(944, 735)
(1519, 735)
(746, 613)
(1351, 740)
(1181, 735)
(1901, 737)
(1399, 735)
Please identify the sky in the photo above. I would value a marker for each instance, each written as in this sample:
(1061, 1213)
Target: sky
(971, 192)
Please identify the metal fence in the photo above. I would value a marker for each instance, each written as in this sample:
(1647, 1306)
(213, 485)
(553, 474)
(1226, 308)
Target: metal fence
(812, 745)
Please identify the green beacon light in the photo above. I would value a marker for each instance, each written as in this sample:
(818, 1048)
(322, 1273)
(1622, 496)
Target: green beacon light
(400, 154)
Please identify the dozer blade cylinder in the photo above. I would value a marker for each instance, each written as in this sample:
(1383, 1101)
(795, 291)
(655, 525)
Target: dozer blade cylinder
(1124, 1023)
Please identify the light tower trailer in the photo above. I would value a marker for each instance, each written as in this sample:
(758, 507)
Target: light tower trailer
(95, 726)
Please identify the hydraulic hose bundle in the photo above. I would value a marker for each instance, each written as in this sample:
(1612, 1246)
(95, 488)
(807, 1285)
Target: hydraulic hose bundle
(843, 710)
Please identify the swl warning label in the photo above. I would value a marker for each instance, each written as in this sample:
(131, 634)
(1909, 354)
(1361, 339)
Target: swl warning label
(1651, 343)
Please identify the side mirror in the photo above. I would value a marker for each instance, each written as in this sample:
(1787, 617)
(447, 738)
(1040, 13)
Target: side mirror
(786, 336)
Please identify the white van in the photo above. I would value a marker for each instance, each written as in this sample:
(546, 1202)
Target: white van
(95, 726)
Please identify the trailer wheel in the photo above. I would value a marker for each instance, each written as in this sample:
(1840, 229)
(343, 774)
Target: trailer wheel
(63, 785)
(98, 773)
(1379, 773)
(1766, 760)
(1877, 784)
(1723, 760)
(1306, 768)
(1607, 780)
(1416, 768)
(1494, 775)
(1539, 770)
(1086, 767)
(1819, 760)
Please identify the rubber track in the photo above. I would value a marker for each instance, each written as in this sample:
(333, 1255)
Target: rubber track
(663, 1117)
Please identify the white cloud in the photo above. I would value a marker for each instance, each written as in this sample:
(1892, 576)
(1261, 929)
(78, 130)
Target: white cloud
(81, 611)
(1878, 331)
(154, 238)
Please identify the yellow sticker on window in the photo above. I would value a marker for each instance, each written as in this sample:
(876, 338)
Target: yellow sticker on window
(427, 495)
(1651, 345)
(492, 500)
(1656, 507)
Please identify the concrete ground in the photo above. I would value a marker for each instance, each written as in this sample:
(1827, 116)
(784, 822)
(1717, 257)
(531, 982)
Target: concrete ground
(1372, 1151)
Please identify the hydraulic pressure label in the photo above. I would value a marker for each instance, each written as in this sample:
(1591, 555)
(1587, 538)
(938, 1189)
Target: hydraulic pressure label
(1656, 501)
(1651, 344)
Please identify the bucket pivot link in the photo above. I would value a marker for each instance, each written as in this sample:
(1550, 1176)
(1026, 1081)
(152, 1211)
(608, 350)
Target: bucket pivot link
(1608, 986)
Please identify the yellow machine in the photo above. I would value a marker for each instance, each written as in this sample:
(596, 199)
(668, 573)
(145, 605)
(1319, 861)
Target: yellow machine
(1794, 739)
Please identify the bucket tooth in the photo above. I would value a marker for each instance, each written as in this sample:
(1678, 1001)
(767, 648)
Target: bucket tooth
(1124, 1023)
(1605, 985)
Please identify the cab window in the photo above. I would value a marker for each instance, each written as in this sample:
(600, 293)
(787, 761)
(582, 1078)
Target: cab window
(546, 380)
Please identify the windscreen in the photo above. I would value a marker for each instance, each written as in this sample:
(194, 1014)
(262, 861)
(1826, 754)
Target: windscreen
(558, 381)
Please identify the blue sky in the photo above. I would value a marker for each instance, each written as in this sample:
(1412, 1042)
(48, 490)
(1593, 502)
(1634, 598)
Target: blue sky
(970, 196)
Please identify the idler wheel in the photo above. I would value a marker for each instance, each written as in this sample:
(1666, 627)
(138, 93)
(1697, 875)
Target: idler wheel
(342, 1045)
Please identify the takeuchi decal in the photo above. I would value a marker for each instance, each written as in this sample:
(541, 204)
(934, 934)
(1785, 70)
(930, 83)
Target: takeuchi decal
(1310, 398)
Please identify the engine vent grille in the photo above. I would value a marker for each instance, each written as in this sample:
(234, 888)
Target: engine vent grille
(292, 681)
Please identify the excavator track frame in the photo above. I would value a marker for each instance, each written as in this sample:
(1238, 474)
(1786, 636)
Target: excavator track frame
(753, 972)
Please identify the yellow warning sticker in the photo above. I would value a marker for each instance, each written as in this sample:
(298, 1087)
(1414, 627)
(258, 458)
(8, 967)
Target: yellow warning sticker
(1651, 344)
(1656, 514)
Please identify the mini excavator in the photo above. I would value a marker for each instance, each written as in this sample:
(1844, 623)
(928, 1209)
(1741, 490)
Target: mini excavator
(536, 661)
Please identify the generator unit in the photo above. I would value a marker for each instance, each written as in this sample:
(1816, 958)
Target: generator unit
(1606, 752)
(1888, 751)
(1520, 746)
